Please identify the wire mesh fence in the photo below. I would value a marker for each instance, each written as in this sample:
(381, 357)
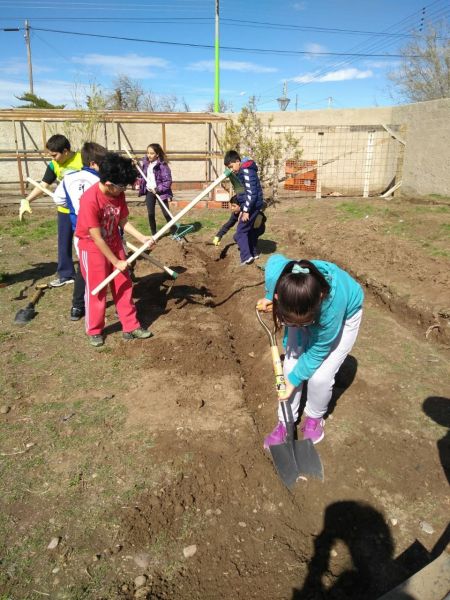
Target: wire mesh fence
(350, 160)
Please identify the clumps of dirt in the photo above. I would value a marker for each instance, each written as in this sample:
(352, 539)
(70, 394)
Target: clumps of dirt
(410, 288)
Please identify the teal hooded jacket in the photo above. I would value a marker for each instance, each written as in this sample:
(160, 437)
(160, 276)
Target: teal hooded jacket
(344, 300)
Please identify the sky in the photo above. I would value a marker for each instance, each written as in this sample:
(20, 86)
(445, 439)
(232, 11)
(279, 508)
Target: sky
(265, 44)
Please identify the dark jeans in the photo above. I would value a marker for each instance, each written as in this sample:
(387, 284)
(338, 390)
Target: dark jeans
(65, 269)
(150, 201)
(78, 290)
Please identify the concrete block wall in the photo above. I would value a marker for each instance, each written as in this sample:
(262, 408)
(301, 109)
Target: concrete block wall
(425, 127)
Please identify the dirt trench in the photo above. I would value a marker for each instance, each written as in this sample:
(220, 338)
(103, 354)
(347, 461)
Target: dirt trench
(253, 538)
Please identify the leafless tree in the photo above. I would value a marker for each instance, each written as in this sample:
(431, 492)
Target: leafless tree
(424, 72)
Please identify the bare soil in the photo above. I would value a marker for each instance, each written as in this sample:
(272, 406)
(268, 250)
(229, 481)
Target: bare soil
(134, 452)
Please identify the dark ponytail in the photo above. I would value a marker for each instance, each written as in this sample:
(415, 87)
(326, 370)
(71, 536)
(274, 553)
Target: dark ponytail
(298, 293)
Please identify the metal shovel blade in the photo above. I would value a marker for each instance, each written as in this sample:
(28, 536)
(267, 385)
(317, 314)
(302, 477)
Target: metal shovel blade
(308, 460)
(296, 459)
(24, 315)
(285, 463)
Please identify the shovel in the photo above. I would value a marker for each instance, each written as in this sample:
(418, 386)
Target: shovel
(25, 315)
(293, 459)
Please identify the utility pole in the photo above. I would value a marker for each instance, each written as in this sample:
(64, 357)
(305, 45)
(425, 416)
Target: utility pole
(30, 67)
(217, 64)
(296, 102)
(27, 41)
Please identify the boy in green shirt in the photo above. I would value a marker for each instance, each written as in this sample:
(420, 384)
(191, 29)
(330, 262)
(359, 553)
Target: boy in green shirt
(63, 161)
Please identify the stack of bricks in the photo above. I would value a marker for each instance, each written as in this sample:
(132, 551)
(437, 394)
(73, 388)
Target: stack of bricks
(301, 179)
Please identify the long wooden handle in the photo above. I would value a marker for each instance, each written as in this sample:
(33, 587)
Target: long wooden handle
(278, 370)
(163, 229)
(41, 187)
(161, 203)
(158, 264)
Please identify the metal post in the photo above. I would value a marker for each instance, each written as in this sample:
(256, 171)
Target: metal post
(30, 67)
(319, 165)
(163, 137)
(217, 64)
(368, 164)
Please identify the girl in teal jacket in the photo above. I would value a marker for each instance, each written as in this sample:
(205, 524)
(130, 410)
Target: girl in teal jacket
(320, 306)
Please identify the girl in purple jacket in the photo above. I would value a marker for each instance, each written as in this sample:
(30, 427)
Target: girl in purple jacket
(159, 181)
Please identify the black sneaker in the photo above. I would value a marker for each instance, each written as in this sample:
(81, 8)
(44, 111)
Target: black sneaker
(76, 313)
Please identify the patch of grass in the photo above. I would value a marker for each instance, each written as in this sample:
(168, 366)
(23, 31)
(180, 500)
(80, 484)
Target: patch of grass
(431, 209)
(355, 210)
(28, 231)
(140, 222)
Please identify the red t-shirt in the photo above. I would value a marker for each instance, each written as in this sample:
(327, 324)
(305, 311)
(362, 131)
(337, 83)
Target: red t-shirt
(105, 212)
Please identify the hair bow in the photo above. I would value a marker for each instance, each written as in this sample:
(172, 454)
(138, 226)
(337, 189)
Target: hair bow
(299, 269)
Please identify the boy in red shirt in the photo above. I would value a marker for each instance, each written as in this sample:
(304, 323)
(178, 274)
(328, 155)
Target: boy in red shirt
(103, 209)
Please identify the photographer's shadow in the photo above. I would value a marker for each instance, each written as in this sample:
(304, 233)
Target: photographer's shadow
(370, 546)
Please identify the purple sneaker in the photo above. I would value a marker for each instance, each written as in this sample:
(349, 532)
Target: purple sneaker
(313, 430)
(277, 436)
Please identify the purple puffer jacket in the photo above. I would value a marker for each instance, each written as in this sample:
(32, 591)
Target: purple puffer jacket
(163, 178)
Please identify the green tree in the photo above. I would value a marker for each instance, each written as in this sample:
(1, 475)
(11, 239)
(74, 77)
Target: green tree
(36, 102)
(424, 71)
(249, 135)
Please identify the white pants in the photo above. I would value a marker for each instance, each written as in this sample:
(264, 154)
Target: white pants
(320, 385)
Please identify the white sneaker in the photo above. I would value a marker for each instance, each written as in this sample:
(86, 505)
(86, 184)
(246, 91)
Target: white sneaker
(247, 262)
(61, 281)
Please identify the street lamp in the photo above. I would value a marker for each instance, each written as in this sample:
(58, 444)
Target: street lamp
(283, 101)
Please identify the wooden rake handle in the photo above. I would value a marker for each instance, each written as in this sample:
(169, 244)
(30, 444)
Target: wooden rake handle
(40, 187)
(164, 229)
(138, 167)
(157, 263)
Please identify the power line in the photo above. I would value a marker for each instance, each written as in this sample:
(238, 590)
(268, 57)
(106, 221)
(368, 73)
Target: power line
(406, 23)
(224, 21)
(209, 46)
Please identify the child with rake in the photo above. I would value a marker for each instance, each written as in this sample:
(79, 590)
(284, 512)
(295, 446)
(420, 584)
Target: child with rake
(64, 161)
(103, 209)
(159, 181)
(320, 306)
(68, 194)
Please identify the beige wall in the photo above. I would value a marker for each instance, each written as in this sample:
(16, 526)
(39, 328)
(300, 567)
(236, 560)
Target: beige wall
(426, 132)
(425, 127)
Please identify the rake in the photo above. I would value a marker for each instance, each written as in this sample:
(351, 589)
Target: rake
(181, 230)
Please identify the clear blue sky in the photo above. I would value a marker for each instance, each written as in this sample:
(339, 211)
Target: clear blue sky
(63, 63)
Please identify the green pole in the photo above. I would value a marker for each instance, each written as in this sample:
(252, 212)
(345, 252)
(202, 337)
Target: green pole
(217, 64)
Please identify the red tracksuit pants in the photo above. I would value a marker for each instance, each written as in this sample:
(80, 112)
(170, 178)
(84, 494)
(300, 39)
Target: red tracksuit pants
(95, 267)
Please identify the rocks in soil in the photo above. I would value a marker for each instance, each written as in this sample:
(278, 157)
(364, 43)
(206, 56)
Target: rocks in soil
(4, 410)
(189, 551)
(426, 527)
(54, 542)
(140, 581)
(142, 560)
(142, 593)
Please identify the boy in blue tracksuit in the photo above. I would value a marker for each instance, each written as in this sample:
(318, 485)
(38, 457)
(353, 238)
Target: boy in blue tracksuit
(320, 307)
(250, 202)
